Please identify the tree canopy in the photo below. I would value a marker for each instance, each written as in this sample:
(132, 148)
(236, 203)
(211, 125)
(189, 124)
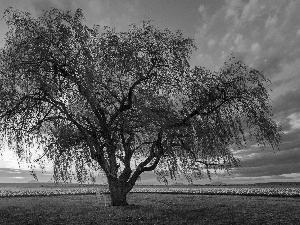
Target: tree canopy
(124, 102)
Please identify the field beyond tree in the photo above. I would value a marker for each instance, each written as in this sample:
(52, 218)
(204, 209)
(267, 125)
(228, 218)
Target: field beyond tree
(150, 208)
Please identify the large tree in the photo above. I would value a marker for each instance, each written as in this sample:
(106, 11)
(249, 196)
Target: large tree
(127, 102)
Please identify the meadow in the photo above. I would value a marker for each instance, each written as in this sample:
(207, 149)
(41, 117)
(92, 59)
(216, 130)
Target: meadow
(150, 205)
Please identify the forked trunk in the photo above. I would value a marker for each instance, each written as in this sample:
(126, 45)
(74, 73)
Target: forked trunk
(118, 193)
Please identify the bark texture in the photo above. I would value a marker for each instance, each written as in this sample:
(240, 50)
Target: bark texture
(118, 192)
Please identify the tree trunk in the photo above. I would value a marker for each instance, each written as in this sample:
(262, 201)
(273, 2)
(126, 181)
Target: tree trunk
(118, 192)
(118, 198)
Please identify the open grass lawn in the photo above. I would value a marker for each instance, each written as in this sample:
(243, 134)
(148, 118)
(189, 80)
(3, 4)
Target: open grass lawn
(151, 209)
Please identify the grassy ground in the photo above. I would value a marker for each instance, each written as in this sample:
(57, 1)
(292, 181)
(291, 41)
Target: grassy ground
(151, 209)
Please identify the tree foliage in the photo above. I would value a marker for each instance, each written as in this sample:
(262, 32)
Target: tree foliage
(124, 102)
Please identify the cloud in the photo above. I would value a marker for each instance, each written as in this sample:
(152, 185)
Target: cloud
(250, 11)
(201, 8)
(283, 157)
(257, 162)
(117, 14)
(270, 170)
(211, 42)
(255, 48)
(294, 120)
(291, 141)
(290, 80)
(287, 103)
(233, 10)
(206, 60)
(266, 36)
(264, 31)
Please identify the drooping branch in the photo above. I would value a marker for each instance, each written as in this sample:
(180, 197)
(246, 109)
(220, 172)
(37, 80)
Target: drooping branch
(202, 110)
(196, 159)
(142, 167)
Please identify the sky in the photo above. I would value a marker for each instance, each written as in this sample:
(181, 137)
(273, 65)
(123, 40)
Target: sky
(265, 34)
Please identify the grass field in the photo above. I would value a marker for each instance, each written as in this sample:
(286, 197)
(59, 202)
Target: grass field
(150, 209)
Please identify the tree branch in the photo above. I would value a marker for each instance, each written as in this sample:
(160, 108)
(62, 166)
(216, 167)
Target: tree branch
(129, 98)
(142, 166)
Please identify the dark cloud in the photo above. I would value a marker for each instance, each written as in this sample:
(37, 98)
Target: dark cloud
(267, 41)
(287, 103)
(273, 158)
(291, 140)
(257, 162)
(270, 170)
(270, 163)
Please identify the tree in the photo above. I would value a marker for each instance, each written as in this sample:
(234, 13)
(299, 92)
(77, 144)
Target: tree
(124, 102)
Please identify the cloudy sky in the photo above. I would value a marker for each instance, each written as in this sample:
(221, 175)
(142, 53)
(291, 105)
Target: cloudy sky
(263, 33)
